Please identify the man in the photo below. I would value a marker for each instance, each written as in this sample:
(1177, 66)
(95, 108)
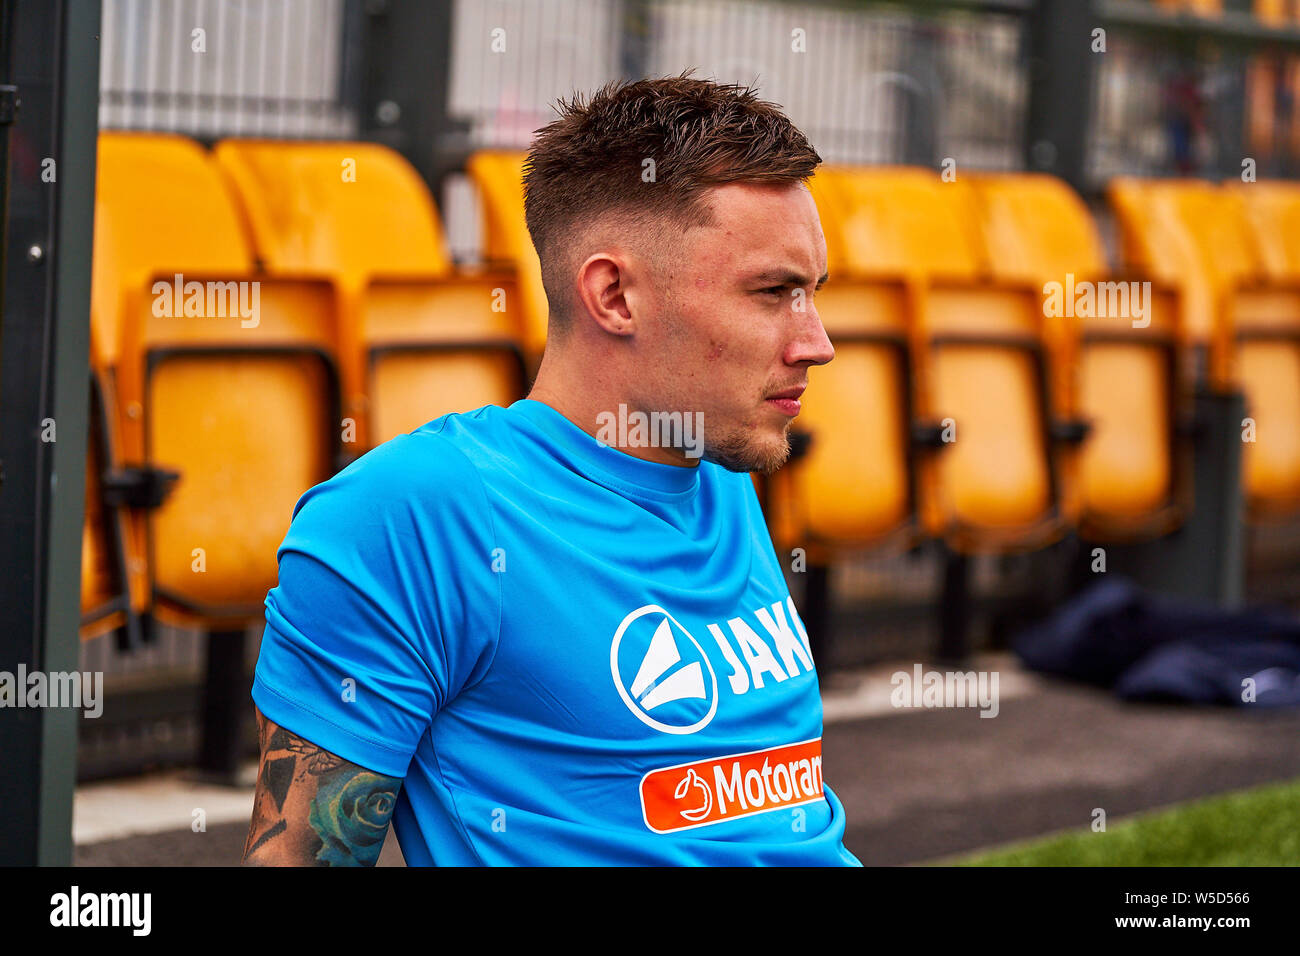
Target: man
(549, 633)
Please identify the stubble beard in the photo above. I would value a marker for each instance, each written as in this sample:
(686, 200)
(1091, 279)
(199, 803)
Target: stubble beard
(743, 450)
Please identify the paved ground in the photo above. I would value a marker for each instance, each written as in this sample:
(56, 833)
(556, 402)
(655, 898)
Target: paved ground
(917, 784)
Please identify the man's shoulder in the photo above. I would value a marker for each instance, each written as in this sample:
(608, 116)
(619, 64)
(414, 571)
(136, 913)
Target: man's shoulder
(433, 469)
(444, 449)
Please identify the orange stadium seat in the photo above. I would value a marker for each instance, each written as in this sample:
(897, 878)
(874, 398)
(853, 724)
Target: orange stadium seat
(981, 361)
(1267, 326)
(114, 579)
(1241, 307)
(1272, 211)
(231, 383)
(938, 416)
(855, 484)
(418, 338)
(1160, 239)
(1132, 478)
(498, 175)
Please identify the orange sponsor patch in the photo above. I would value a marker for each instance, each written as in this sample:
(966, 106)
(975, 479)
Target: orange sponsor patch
(725, 788)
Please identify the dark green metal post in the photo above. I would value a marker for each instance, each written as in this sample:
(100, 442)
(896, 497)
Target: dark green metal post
(1204, 560)
(1061, 65)
(406, 85)
(50, 54)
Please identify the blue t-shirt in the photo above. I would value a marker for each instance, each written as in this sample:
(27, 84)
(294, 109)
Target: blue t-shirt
(572, 656)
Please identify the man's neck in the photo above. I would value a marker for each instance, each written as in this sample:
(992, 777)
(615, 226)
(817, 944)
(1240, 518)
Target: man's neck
(594, 400)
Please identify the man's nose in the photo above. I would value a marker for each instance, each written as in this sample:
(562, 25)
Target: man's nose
(812, 345)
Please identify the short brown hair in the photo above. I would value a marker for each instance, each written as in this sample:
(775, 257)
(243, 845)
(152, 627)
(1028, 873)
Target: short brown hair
(588, 163)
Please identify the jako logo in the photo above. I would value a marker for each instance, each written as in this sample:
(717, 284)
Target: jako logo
(667, 666)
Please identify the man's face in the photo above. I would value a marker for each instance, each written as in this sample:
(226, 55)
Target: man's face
(735, 329)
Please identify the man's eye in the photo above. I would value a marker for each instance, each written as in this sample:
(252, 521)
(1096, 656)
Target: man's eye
(776, 290)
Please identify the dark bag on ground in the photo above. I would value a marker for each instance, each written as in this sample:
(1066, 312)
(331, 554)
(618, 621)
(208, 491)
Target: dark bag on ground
(1148, 647)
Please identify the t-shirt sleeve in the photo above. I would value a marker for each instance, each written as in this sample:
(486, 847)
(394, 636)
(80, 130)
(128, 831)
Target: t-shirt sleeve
(387, 605)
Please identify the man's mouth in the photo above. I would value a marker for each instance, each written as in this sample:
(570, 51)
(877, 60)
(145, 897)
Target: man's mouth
(787, 400)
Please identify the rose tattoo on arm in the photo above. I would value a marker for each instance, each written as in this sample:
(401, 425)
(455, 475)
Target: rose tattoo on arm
(313, 808)
(350, 814)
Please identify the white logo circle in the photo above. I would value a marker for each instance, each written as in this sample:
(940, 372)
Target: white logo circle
(658, 680)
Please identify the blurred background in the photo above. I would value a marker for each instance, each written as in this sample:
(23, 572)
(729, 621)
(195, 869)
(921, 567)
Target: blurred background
(1099, 504)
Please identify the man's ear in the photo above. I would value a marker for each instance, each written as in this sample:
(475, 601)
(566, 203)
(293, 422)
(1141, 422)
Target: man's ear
(602, 288)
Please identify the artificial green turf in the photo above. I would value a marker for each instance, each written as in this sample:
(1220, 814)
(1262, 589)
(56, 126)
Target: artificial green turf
(1256, 827)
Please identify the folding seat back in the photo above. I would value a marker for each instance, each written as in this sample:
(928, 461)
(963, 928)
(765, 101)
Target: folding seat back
(1250, 322)
(418, 338)
(340, 211)
(1267, 326)
(1132, 475)
(1134, 469)
(1036, 228)
(1272, 215)
(436, 347)
(979, 364)
(1219, 229)
(147, 173)
(1190, 236)
(223, 376)
(248, 414)
(1269, 361)
(136, 174)
(995, 486)
(903, 222)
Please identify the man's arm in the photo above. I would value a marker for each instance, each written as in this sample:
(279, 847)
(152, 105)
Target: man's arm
(313, 808)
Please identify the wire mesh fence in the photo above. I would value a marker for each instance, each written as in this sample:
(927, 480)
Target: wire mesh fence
(866, 84)
(209, 68)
